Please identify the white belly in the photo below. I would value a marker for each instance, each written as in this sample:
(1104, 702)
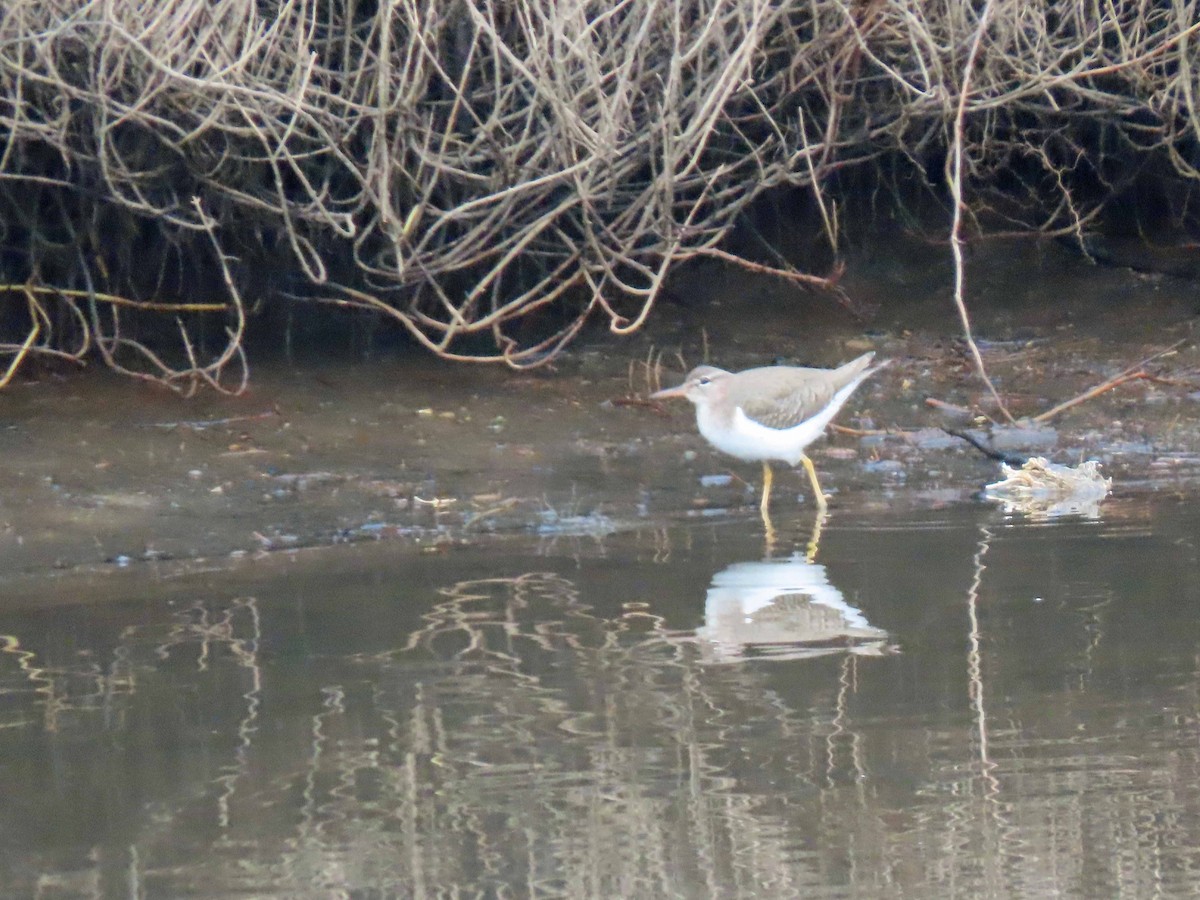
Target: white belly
(751, 441)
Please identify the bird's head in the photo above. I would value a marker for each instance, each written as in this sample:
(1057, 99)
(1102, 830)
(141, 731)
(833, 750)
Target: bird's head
(703, 385)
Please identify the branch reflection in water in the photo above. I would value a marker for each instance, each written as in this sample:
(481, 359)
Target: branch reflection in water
(668, 719)
(611, 750)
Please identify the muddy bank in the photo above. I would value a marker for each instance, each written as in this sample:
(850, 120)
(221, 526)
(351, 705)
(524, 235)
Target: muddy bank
(103, 472)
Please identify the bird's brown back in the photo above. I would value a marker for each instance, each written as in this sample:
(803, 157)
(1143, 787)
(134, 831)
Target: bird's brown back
(785, 396)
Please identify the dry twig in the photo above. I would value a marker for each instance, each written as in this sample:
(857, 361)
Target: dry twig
(456, 167)
(1132, 373)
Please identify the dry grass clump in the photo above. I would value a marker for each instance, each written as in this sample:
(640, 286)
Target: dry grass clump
(1042, 489)
(458, 166)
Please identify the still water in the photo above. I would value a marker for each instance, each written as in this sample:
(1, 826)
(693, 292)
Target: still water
(942, 703)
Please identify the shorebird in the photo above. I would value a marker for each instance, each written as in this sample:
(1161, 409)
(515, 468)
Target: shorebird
(770, 413)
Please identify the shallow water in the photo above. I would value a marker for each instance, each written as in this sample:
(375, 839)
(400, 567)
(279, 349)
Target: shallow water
(393, 628)
(943, 703)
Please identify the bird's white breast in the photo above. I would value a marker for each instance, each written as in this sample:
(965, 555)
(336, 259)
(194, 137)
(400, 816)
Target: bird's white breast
(751, 441)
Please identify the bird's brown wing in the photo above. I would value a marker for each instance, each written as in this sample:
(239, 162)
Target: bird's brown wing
(783, 398)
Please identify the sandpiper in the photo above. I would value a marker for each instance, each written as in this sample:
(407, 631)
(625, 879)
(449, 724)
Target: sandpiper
(772, 412)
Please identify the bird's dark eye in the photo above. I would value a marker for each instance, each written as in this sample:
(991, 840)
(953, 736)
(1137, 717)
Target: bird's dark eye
(703, 380)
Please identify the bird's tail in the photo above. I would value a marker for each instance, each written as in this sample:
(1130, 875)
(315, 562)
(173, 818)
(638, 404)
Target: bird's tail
(857, 370)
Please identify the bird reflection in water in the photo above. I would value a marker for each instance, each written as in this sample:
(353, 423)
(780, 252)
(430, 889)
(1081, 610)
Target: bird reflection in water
(783, 609)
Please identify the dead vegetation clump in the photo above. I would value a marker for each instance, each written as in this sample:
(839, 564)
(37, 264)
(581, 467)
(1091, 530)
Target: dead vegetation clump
(456, 167)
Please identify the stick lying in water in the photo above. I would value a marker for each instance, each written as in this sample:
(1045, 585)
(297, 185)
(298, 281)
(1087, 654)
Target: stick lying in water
(1133, 373)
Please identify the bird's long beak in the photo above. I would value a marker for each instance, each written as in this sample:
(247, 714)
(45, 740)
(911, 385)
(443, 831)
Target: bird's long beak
(668, 393)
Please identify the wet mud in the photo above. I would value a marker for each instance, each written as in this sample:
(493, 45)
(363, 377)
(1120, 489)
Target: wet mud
(103, 473)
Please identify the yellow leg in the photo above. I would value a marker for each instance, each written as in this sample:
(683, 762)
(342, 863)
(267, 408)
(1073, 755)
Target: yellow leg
(815, 541)
(768, 475)
(764, 508)
(816, 485)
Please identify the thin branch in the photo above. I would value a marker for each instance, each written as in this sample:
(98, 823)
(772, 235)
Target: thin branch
(1132, 373)
(956, 240)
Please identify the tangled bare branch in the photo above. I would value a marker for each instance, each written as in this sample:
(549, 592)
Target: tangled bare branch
(461, 166)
